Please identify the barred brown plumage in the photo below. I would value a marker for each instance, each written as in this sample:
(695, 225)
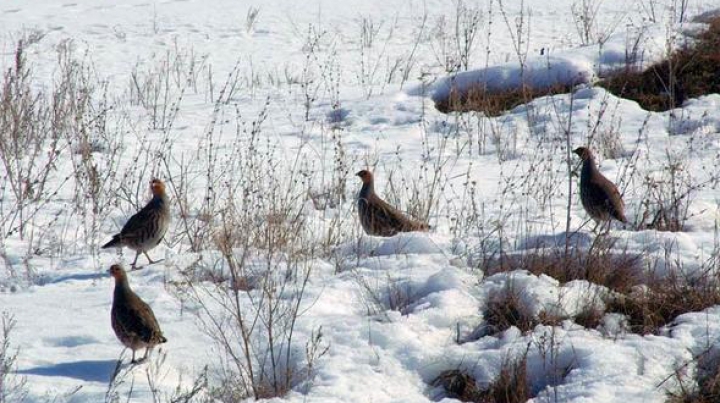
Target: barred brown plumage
(131, 318)
(379, 218)
(600, 197)
(144, 230)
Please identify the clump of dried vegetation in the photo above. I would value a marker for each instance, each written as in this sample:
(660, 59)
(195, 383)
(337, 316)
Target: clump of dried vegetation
(699, 383)
(689, 72)
(662, 299)
(495, 103)
(509, 386)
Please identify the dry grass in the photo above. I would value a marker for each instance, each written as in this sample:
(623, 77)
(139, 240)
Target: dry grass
(618, 271)
(662, 299)
(590, 317)
(648, 301)
(494, 103)
(510, 386)
(13, 388)
(704, 386)
(688, 73)
(506, 309)
(458, 385)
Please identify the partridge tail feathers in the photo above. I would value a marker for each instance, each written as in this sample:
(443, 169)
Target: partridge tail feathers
(113, 242)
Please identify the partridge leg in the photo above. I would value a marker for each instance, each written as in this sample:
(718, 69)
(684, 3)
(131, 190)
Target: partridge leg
(607, 226)
(132, 265)
(148, 258)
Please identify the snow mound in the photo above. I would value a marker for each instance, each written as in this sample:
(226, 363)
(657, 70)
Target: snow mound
(408, 243)
(538, 73)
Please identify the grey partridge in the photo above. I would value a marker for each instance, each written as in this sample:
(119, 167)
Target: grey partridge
(132, 319)
(379, 218)
(144, 230)
(600, 197)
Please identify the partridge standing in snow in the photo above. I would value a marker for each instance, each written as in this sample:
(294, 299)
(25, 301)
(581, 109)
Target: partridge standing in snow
(132, 319)
(144, 230)
(599, 196)
(377, 216)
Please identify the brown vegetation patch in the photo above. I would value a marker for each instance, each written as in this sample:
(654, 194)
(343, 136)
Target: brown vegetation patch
(618, 271)
(590, 317)
(505, 309)
(648, 301)
(494, 103)
(458, 385)
(510, 386)
(688, 73)
(662, 299)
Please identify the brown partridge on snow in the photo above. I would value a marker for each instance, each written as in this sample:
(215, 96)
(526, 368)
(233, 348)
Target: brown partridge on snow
(377, 216)
(144, 230)
(132, 319)
(600, 197)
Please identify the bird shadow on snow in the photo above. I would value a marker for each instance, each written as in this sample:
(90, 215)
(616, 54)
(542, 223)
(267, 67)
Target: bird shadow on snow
(87, 371)
(73, 277)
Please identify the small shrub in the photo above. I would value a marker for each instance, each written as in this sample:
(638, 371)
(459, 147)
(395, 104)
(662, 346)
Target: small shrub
(669, 192)
(12, 389)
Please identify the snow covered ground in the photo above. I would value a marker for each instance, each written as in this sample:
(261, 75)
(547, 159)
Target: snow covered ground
(272, 115)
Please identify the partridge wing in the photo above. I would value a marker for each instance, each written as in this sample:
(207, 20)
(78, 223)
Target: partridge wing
(609, 196)
(387, 219)
(141, 222)
(136, 318)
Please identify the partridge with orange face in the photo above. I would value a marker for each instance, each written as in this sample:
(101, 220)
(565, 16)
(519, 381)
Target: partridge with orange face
(144, 230)
(132, 319)
(600, 197)
(379, 218)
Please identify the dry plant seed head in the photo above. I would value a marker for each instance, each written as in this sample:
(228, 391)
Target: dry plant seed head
(379, 218)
